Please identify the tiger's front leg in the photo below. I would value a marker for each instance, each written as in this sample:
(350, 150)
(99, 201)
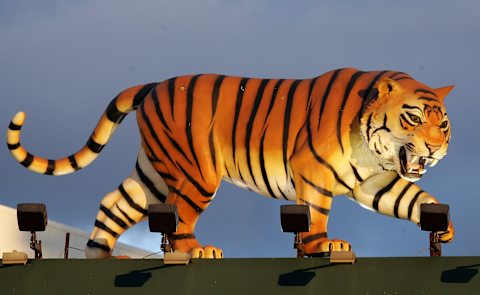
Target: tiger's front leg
(316, 192)
(389, 194)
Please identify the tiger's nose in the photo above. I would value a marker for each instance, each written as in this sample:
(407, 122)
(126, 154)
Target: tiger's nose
(432, 148)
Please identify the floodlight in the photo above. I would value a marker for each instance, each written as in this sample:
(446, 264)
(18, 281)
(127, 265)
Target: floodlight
(434, 218)
(342, 257)
(296, 219)
(32, 217)
(14, 257)
(163, 218)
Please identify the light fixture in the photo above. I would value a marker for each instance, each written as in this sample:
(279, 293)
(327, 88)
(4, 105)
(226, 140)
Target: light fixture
(14, 257)
(163, 218)
(295, 219)
(32, 217)
(342, 257)
(434, 218)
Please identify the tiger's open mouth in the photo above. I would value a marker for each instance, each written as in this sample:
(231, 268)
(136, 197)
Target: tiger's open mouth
(412, 166)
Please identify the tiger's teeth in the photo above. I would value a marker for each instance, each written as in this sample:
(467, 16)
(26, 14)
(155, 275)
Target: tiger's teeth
(423, 171)
(433, 163)
(414, 159)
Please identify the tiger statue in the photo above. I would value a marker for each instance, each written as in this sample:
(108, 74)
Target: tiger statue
(367, 135)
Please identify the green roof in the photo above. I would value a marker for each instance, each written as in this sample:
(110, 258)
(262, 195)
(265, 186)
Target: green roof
(421, 275)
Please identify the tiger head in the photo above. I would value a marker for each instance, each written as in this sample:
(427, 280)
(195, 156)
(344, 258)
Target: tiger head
(406, 127)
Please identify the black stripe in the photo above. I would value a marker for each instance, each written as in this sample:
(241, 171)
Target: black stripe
(403, 78)
(370, 94)
(406, 106)
(140, 96)
(333, 78)
(406, 120)
(349, 88)
(369, 126)
(211, 145)
(281, 192)
(192, 180)
(251, 120)
(427, 98)
(130, 201)
(238, 106)
(216, 93)
(176, 237)
(13, 146)
(399, 199)
(14, 127)
(274, 96)
(316, 208)
(426, 91)
(314, 237)
(319, 189)
(113, 114)
(150, 185)
(149, 151)
(286, 122)
(158, 111)
(93, 244)
(125, 215)
(153, 133)
(357, 175)
(381, 192)
(103, 227)
(113, 217)
(73, 162)
(263, 167)
(320, 159)
(188, 127)
(412, 203)
(186, 199)
(313, 82)
(94, 146)
(383, 127)
(171, 95)
(228, 172)
(28, 160)
(397, 74)
(50, 167)
(165, 175)
(178, 148)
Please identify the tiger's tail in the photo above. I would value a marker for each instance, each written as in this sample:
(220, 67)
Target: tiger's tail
(127, 101)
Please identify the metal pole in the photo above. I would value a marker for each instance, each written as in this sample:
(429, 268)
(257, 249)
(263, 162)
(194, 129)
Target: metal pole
(67, 245)
(435, 245)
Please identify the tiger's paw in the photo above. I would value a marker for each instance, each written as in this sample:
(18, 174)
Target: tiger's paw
(207, 252)
(447, 236)
(325, 246)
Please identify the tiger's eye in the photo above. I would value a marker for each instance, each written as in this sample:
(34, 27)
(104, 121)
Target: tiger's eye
(444, 124)
(415, 118)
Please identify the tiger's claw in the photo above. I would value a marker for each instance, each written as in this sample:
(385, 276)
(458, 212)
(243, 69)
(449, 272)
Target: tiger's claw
(207, 252)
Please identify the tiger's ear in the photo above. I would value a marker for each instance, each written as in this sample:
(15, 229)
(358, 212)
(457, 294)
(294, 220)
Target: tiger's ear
(442, 92)
(388, 86)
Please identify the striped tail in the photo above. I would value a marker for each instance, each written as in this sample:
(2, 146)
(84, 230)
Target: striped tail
(127, 101)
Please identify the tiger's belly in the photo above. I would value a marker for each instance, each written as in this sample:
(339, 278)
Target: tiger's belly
(272, 184)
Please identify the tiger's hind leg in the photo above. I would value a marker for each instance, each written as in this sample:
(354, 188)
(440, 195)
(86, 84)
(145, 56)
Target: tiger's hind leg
(191, 192)
(119, 210)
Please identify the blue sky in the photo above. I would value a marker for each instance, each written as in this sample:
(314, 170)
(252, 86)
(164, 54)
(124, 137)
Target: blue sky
(63, 61)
